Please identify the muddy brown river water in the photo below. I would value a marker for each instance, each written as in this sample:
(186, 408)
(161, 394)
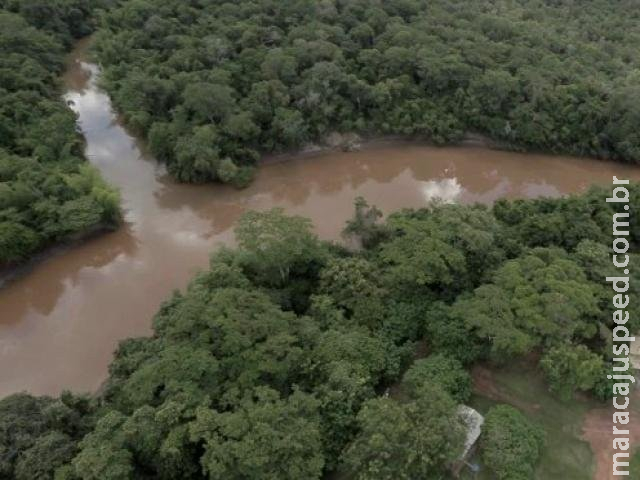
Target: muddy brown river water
(60, 322)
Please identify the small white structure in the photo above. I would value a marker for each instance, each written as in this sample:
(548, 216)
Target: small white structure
(473, 422)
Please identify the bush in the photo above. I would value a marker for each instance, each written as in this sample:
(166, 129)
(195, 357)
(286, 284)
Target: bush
(438, 369)
(511, 445)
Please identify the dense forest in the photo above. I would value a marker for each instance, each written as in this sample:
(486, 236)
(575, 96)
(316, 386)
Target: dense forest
(48, 192)
(213, 85)
(274, 362)
(294, 358)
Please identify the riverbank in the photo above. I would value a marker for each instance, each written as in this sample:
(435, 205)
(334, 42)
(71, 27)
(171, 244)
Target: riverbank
(76, 77)
(9, 273)
(47, 190)
(62, 321)
(353, 142)
(79, 78)
(74, 305)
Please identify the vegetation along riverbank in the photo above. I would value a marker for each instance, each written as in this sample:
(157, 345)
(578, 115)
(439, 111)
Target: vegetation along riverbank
(293, 356)
(48, 191)
(287, 341)
(214, 86)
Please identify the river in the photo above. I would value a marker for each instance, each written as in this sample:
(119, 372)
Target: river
(61, 321)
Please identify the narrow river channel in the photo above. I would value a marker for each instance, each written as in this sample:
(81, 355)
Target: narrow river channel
(60, 322)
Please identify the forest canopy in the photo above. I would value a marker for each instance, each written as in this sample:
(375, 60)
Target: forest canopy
(48, 192)
(294, 358)
(274, 362)
(213, 85)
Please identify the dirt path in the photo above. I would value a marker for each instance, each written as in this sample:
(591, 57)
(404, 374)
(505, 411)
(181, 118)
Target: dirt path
(597, 430)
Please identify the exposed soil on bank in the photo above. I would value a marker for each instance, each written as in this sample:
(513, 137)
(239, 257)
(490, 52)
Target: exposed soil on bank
(598, 431)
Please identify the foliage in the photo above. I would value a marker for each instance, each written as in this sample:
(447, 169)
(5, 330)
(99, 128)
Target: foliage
(564, 222)
(269, 364)
(272, 362)
(411, 440)
(66, 19)
(442, 249)
(532, 300)
(440, 370)
(511, 444)
(48, 192)
(264, 438)
(212, 87)
(40, 434)
(449, 335)
(352, 284)
(275, 245)
(569, 368)
(364, 225)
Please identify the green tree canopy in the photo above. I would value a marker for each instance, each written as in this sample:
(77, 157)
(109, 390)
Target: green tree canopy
(48, 192)
(266, 437)
(570, 368)
(548, 75)
(511, 444)
(540, 296)
(412, 440)
(440, 370)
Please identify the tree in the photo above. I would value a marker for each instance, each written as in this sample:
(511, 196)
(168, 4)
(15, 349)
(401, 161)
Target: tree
(209, 102)
(103, 454)
(266, 437)
(511, 444)
(240, 126)
(417, 260)
(40, 434)
(49, 452)
(21, 424)
(274, 244)
(244, 339)
(473, 231)
(341, 390)
(16, 242)
(272, 363)
(197, 156)
(175, 369)
(278, 65)
(538, 296)
(227, 171)
(353, 285)
(569, 368)
(447, 373)
(264, 99)
(161, 138)
(357, 346)
(447, 334)
(289, 127)
(363, 226)
(41, 161)
(305, 70)
(413, 440)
